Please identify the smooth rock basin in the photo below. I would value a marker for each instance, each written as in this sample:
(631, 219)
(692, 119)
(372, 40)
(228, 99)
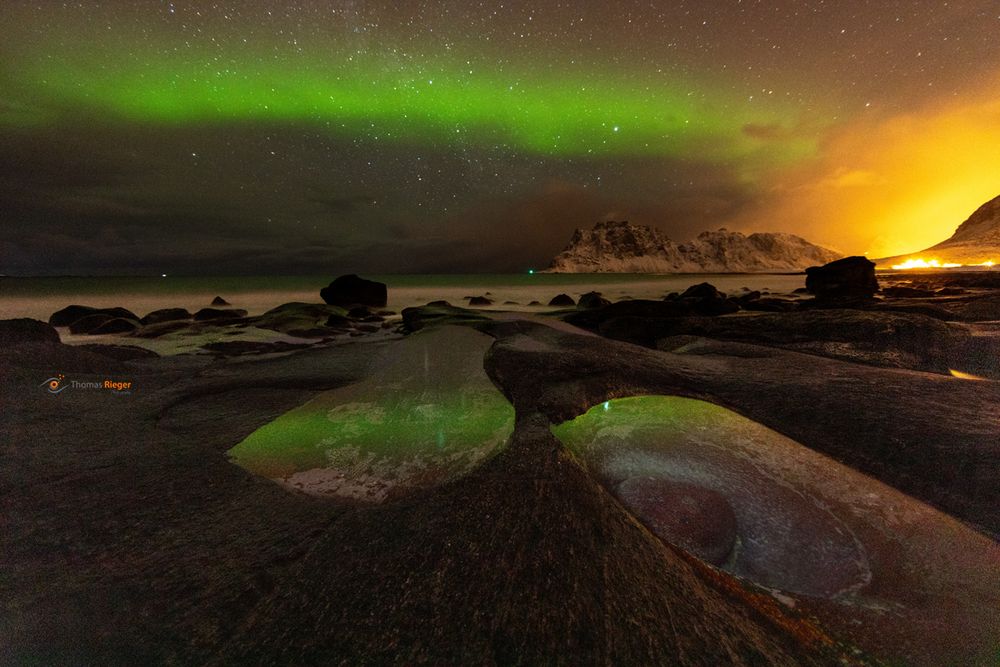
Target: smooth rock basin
(882, 567)
(426, 413)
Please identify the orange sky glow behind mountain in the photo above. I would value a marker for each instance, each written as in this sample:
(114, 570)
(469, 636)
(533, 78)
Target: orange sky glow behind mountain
(885, 186)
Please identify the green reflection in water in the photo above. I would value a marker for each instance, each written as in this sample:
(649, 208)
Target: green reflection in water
(426, 414)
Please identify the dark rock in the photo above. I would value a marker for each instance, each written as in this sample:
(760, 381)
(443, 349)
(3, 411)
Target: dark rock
(338, 322)
(511, 303)
(120, 352)
(215, 314)
(115, 326)
(592, 300)
(800, 290)
(166, 315)
(367, 328)
(386, 313)
(238, 347)
(359, 312)
(421, 317)
(703, 291)
(771, 305)
(480, 301)
(562, 300)
(87, 324)
(638, 308)
(352, 290)
(25, 330)
(534, 303)
(440, 304)
(219, 301)
(70, 314)
(847, 277)
(951, 291)
(694, 518)
(748, 298)
(901, 291)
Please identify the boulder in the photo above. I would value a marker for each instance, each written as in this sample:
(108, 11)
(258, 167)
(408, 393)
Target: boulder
(702, 291)
(352, 290)
(219, 301)
(480, 301)
(847, 277)
(26, 330)
(592, 300)
(166, 315)
(88, 323)
(70, 314)
(115, 326)
(562, 300)
(219, 314)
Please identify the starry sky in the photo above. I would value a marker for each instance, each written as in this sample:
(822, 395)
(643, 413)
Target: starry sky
(444, 136)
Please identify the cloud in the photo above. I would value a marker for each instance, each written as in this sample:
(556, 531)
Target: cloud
(890, 184)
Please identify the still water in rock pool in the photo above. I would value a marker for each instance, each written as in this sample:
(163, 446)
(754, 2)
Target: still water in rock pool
(426, 413)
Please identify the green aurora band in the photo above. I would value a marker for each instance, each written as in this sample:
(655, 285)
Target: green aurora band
(455, 102)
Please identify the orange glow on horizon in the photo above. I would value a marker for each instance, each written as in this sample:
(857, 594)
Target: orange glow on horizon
(920, 263)
(893, 185)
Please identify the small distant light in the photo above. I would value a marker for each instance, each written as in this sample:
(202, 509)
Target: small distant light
(616, 128)
(531, 272)
(163, 275)
(607, 405)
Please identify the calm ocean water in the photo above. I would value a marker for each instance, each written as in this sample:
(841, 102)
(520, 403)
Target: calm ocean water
(40, 297)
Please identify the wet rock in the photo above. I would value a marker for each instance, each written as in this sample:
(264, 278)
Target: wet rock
(116, 325)
(219, 301)
(166, 315)
(352, 290)
(534, 303)
(440, 303)
(480, 301)
(694, 518)
(70, 314)
(359, 312)
(592, 300)
(25, 330)
(847, 277)
(951, 291)
(217, 314)
(745, 299)
(562, 300)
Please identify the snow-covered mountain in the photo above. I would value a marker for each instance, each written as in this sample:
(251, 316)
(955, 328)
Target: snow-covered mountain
(977, 240)
(621, 247)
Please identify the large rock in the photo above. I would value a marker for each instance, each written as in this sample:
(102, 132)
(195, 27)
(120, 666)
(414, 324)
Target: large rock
(592, 300)
(166, 315)
(115, 325)
(562, 300)
(25, 330)
(847, 277)
(88, 323)
(353, 290)
(70, 314)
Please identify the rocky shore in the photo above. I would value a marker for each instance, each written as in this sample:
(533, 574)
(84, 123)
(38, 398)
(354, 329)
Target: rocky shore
(837, 450)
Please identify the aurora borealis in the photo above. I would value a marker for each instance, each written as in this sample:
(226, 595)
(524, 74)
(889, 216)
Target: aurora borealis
(197, 137)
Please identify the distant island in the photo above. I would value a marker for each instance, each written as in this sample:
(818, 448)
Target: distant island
(622, 247)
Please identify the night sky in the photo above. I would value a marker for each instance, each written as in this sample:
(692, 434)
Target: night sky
(414, 136)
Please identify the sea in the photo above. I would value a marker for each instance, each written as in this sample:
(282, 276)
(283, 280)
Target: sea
(39, 297)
